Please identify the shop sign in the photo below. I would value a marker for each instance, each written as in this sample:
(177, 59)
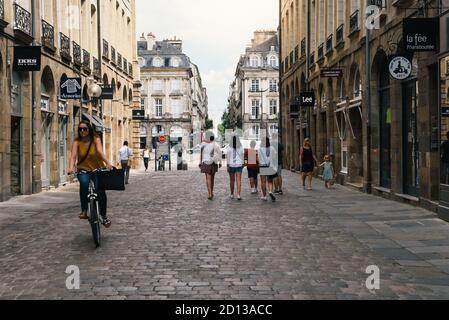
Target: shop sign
(70, 88)
(400, 67)
(27, 58)
(421, 34)
(107, 92)
(445, 112)
(138, 115)
(307, 99)
(331, 73)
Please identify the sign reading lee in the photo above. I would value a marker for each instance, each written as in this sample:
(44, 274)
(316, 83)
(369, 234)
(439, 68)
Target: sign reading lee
(307, 99)
(27, 58)
(421, 34)
(70, 88)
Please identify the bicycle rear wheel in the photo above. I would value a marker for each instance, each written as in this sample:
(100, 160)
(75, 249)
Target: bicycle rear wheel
(95, 222)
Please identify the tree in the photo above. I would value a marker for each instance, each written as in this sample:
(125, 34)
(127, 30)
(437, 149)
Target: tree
(209, 123)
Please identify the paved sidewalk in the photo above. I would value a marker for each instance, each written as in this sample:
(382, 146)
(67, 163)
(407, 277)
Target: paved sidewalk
(169, 242)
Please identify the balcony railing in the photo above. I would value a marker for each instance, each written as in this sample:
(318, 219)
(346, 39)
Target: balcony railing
(382, 4)
(339, 35)
(354, 22)
(48, 35)
(321, 52)
(105, 49)
(2, 12)
(65, 46)
(96, 69)
(113, 61)
(312, 59)
(303, 47)
(297, 53)
(86, 61)
(329, 43)
(125, 66)
(76, 54)
(22, 20)
(119, 61)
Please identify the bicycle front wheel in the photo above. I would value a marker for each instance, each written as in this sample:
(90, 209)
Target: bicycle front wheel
(95, 222)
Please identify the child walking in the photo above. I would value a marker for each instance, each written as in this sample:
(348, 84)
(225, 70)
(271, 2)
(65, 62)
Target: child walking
(328, 173)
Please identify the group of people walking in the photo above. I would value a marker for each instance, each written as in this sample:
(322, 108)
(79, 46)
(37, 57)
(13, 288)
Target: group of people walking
(265, 162)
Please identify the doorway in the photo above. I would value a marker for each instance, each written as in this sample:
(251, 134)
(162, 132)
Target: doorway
(410, 139)
(63, 150)
(16, 156)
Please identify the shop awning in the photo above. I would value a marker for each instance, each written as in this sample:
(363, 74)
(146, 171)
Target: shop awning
(98, 124)
(103, 127)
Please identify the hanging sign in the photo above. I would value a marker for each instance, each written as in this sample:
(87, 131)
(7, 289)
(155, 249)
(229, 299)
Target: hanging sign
(138, 115)
(421, 34)
(445, 111)
(70, 88)
(107, 92)
(307, 99)
(27, 58)
(400, 67)
(331, 73)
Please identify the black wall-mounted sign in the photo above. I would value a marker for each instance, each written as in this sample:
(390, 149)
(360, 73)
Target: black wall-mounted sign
(138, 115)
(421, 34)
(445, 111)
(331, 73)
(70, 88)
(307, 99)
(107, 92)
(27, 58)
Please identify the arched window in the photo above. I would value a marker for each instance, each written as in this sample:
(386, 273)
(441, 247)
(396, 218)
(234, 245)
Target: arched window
(157, 62)
(357, 85)
(254, 60)
(342, 90)
(273, 61)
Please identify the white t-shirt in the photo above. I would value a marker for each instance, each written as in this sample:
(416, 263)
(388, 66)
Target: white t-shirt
(235, 157)
(211, 153)
(146, 153)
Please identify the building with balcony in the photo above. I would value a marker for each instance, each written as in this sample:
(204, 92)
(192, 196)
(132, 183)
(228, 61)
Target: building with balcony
(37, 126)
(253, 103)
(172, 92)
(383, 133)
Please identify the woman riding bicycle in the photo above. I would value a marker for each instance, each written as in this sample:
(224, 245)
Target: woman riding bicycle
(87, 154)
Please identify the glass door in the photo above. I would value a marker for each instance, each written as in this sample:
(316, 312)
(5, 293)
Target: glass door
(410, 139)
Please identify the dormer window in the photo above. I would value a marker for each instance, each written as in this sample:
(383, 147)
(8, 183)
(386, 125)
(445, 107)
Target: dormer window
(254, 61)
(273, 61)
(175, 62)
(157, 62)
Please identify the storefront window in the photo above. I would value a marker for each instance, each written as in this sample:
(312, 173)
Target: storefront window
(444, 129)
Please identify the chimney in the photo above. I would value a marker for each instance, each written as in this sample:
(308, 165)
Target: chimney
(151, 40)
(177, 43)
(260, 36)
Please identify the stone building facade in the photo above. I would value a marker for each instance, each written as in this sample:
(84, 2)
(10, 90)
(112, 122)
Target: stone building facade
(383, 133)
(172, 93)
(93, 40)
(253, 102)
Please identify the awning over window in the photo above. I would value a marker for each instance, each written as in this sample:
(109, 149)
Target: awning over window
(97, 123)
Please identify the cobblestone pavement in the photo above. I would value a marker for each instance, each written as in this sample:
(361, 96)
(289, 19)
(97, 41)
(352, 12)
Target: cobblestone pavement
(169, 242)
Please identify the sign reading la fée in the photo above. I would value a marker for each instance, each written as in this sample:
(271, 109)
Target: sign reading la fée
(421, 34)
(27, 58)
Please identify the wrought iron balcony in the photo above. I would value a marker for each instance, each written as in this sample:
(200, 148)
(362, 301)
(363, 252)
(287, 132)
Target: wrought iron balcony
(297, 53)
(113, 57)
(292, 62)
(125, 66)
(48, 36)
(329, 43)
(130, 69)
(76, 54)
(321, 52)
(354, 22)
(105, 49)
(96, 70)
(22, 23)
(86, 61)
(3, 23)
(312, 59)
(303, 47)
(339, 35)
(119, 61)
(65, 47)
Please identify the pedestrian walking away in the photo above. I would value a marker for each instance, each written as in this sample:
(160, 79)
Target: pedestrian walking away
(278, 181)
(268, 168)
(235, 160)
(307, 162)
(328, 172)
(146, 157)
(252, 165)
(86, 157)
(210, 162)
(125, 154)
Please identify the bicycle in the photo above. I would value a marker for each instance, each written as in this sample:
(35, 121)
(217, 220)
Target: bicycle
(93, 210)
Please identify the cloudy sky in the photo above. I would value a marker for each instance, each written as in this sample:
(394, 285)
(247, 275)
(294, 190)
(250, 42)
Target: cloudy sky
(214, 34)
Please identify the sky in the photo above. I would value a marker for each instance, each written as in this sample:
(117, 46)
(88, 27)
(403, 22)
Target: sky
(214, 33)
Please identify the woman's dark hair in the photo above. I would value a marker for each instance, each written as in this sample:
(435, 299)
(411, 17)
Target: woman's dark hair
(236, 142)
(91, 130)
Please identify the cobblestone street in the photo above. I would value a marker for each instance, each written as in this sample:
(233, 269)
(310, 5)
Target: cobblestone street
(169, 242)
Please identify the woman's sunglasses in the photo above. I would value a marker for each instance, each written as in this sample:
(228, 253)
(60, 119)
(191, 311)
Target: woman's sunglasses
(83, 129)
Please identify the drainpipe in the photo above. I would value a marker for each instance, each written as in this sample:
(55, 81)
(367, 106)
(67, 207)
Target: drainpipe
(33, 105)
(307, 71)
(368, 107)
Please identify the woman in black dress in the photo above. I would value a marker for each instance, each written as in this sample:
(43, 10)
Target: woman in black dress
(307, 161)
